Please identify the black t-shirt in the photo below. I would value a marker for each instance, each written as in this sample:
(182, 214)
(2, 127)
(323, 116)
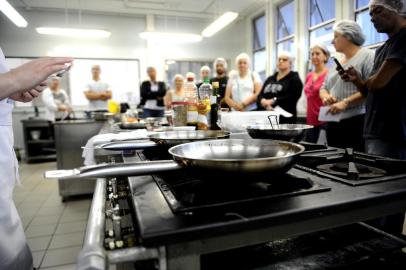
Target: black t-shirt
(287, 91)
(222, 85)
(386, 108)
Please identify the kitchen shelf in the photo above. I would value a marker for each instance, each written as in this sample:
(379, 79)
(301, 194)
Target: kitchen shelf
(39, 150)
(40, 141)
(41, 157)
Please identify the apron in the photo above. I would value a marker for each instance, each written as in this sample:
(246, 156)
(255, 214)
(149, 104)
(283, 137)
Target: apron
(13, 242)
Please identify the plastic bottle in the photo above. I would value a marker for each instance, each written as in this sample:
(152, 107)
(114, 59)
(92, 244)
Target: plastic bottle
(191, 100)
(204, 107)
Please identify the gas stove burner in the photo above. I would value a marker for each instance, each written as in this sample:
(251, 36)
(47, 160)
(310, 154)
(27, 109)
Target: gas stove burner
(352, 170)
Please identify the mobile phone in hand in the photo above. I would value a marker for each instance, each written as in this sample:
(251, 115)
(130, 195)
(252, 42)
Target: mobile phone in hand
(339, 66)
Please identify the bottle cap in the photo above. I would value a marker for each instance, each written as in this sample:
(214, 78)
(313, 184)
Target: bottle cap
(206, 80)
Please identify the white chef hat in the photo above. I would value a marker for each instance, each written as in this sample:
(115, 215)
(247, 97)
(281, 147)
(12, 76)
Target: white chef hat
(398, 6)
(351, 30)
(220, 61)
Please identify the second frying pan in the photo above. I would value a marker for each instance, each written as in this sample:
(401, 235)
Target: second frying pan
(168, 139)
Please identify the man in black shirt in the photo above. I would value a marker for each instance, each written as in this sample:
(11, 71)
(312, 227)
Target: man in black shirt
(152, 95)
(220, 65)
(385, 120)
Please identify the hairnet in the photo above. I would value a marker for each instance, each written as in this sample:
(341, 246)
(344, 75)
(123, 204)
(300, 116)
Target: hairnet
(205, 68)
(220, 61)
(398, 6)
(177, 76)
(351, 30)
(323, 48)
(242, 56)
(287, 54)
(190, 75)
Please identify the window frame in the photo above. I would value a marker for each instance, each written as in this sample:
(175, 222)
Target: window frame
(359, 11)
(290, 37)
(254, 37)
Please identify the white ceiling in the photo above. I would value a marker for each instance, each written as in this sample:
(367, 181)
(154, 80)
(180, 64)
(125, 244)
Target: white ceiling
(182, 8)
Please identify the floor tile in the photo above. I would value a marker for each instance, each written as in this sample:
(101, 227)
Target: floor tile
(77, 226)
(47, 211)
(40, 230)
(57, 257)
(44, 220)
(67, 240)
(70, 217)
(39, 243)
(37, 257)
(62, 267)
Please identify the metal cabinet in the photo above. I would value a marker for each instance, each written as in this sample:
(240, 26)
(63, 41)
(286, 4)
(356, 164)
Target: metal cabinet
(70, 136)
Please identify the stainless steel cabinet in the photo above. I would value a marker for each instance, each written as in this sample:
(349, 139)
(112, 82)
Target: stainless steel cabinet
(70, 136)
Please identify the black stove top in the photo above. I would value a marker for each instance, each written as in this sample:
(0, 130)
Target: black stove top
(352, 168)
(186, 193)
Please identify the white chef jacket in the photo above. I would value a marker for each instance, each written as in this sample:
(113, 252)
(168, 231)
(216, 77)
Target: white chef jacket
(12, 236)
(51, 104)
(97, 86)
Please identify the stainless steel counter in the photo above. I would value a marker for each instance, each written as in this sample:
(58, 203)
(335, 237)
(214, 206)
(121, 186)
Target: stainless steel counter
(70, 136)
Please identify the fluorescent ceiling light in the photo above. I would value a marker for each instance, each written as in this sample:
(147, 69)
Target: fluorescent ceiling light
(220, 23)
(73, 32)
(171, 37)
(12, 14)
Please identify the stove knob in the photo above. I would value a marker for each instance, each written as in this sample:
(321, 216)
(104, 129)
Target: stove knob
(119, 244)
(111, 245)
(109, 233)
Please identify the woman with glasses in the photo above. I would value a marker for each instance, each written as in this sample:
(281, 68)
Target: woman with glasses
(342, 97)
(283, 89)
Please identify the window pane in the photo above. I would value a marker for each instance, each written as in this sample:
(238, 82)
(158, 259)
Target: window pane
(361, 3)
(372, 36)
(323, 35)
(260, 61)
(259, 33)
(321, 11)
(287, 45)
(286, 20)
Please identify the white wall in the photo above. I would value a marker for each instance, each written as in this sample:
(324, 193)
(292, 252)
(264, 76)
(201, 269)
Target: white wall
(124, 43)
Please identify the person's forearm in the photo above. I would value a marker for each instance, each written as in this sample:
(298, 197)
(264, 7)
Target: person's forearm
(230, 102)
(8, 86)
(90, 95)
(324, 93)
(354, 98)
(250, 100)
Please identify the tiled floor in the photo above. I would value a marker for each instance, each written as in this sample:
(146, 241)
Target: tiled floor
(54, 230)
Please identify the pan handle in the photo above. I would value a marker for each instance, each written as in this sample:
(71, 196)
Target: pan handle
(272, 116)
(115, 170)
(129, 145)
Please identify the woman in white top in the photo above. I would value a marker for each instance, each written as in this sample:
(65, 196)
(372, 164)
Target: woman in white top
(243, 86)
(22, 84)
(177, 94)
(56, 101)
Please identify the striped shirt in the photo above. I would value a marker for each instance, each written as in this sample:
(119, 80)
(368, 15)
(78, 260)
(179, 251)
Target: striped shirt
(363, 62)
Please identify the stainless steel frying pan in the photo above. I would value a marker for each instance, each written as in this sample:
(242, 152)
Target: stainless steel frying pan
(168, 139)
(276, 131)
(230, 156)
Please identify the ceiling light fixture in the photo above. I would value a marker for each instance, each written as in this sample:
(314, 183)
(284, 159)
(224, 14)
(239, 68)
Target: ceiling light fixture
(171, 37)
(219, 23)
(12, 14)
(73, 32)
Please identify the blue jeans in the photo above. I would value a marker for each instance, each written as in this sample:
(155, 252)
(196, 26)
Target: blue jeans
(153, 113)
